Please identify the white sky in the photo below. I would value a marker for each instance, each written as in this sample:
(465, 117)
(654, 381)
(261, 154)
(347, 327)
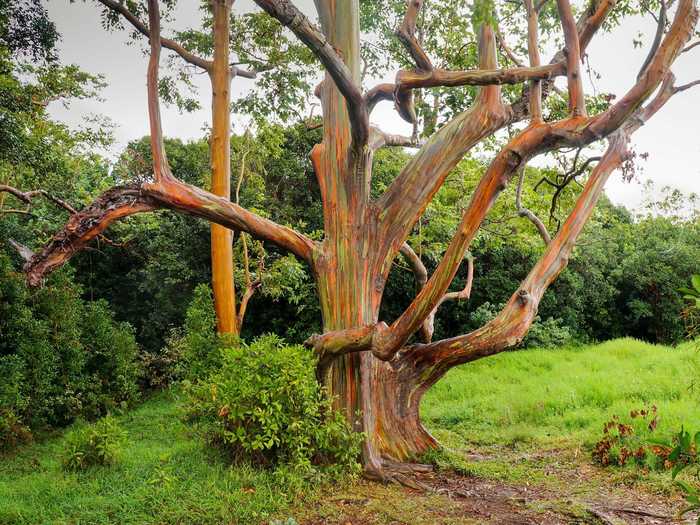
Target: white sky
(670, 138)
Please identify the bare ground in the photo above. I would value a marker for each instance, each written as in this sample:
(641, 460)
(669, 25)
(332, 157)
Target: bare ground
(576, 493)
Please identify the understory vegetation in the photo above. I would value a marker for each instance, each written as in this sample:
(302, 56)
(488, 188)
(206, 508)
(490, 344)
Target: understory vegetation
(537, 418)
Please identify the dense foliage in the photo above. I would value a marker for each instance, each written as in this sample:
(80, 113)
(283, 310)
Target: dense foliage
(60, 357)
(264, 404)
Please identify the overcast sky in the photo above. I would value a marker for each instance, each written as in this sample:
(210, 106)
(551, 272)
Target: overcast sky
(672, 138)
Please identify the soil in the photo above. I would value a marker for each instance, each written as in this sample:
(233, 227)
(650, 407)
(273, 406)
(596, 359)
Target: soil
(450, 498)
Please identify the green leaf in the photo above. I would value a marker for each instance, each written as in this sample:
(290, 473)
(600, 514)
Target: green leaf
(695, 279)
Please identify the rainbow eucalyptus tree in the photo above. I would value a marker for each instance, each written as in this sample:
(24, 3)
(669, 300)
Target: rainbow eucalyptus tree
(373, 367)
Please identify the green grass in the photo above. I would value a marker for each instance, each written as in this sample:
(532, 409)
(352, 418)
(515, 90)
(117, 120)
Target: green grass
(553, 398)
(164, 476)
(523, 413)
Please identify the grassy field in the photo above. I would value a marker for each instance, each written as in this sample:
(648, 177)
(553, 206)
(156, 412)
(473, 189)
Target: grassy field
(165, 476)
(551, 398)
(495, 415)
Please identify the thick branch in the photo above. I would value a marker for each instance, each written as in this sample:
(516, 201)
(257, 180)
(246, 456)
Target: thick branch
(124, 201)
(289, 16)
(476, 77)
(534, 55)
(161, 169)
(679, 33)
(167, 43)
(660, 28)
(380, 139)
(577, 105)
(409, 194)
(512, 323)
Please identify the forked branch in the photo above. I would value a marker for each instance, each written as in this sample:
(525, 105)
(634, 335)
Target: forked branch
(289, 16)
(186, 55)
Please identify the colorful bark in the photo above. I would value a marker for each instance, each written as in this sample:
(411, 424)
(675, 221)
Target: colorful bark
(369, 368)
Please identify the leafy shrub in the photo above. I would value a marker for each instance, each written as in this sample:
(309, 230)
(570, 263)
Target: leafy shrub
(685, 455)
(551, 333)
(60, 357)
(265, 405)
(192, 352)
(12, 431)
(164, 367)
(112, 366)
(629, 442)
(97, 444)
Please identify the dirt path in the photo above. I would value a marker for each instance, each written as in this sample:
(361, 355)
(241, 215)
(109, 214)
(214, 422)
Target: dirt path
(457, 499)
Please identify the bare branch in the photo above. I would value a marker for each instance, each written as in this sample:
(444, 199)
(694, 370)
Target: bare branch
(524, 212)
(379, 93)
(167, 43)
(687, 86)
(380, 139)
(123, 201)
(577, 105)
(660, 28)
(289, 16)
(476, 77)
(507, 50)
(161, 169)
(407, 34)
(691, 47)
(247, 296)
(534, 55)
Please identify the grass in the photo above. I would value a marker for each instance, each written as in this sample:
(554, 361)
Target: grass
(558, 400)
(165, 476)
(517, 413)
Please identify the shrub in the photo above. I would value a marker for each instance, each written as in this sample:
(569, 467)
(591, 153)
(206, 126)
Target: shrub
(265, 405)
(551, 333)
(60, 357)
(12, 431)
(192, 352)
(97, 444)
(629, 441)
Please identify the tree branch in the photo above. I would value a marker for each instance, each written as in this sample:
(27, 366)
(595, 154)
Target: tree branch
(161, 168)
(524, 212)
(167, 43)
(407, 34)
(123, 201)
(660, 28)
(380, 139)
(409, 194)
(289, 16)
(534, 56)
(577, 104)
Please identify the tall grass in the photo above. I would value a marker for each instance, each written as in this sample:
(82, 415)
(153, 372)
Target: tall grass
(562, 397)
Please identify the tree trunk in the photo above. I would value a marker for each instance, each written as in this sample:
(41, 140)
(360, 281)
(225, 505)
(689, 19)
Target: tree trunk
(221, 237)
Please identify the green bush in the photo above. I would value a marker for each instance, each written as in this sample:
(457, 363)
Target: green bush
(97, 444)
(192, 352)
(265, 405)
(551, 333)
(12, 431)
(61, 357)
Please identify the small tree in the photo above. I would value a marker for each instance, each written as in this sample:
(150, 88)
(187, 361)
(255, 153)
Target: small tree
(371, 368)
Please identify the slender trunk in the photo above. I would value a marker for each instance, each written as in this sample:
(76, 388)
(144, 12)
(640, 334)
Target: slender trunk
(222, 238)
